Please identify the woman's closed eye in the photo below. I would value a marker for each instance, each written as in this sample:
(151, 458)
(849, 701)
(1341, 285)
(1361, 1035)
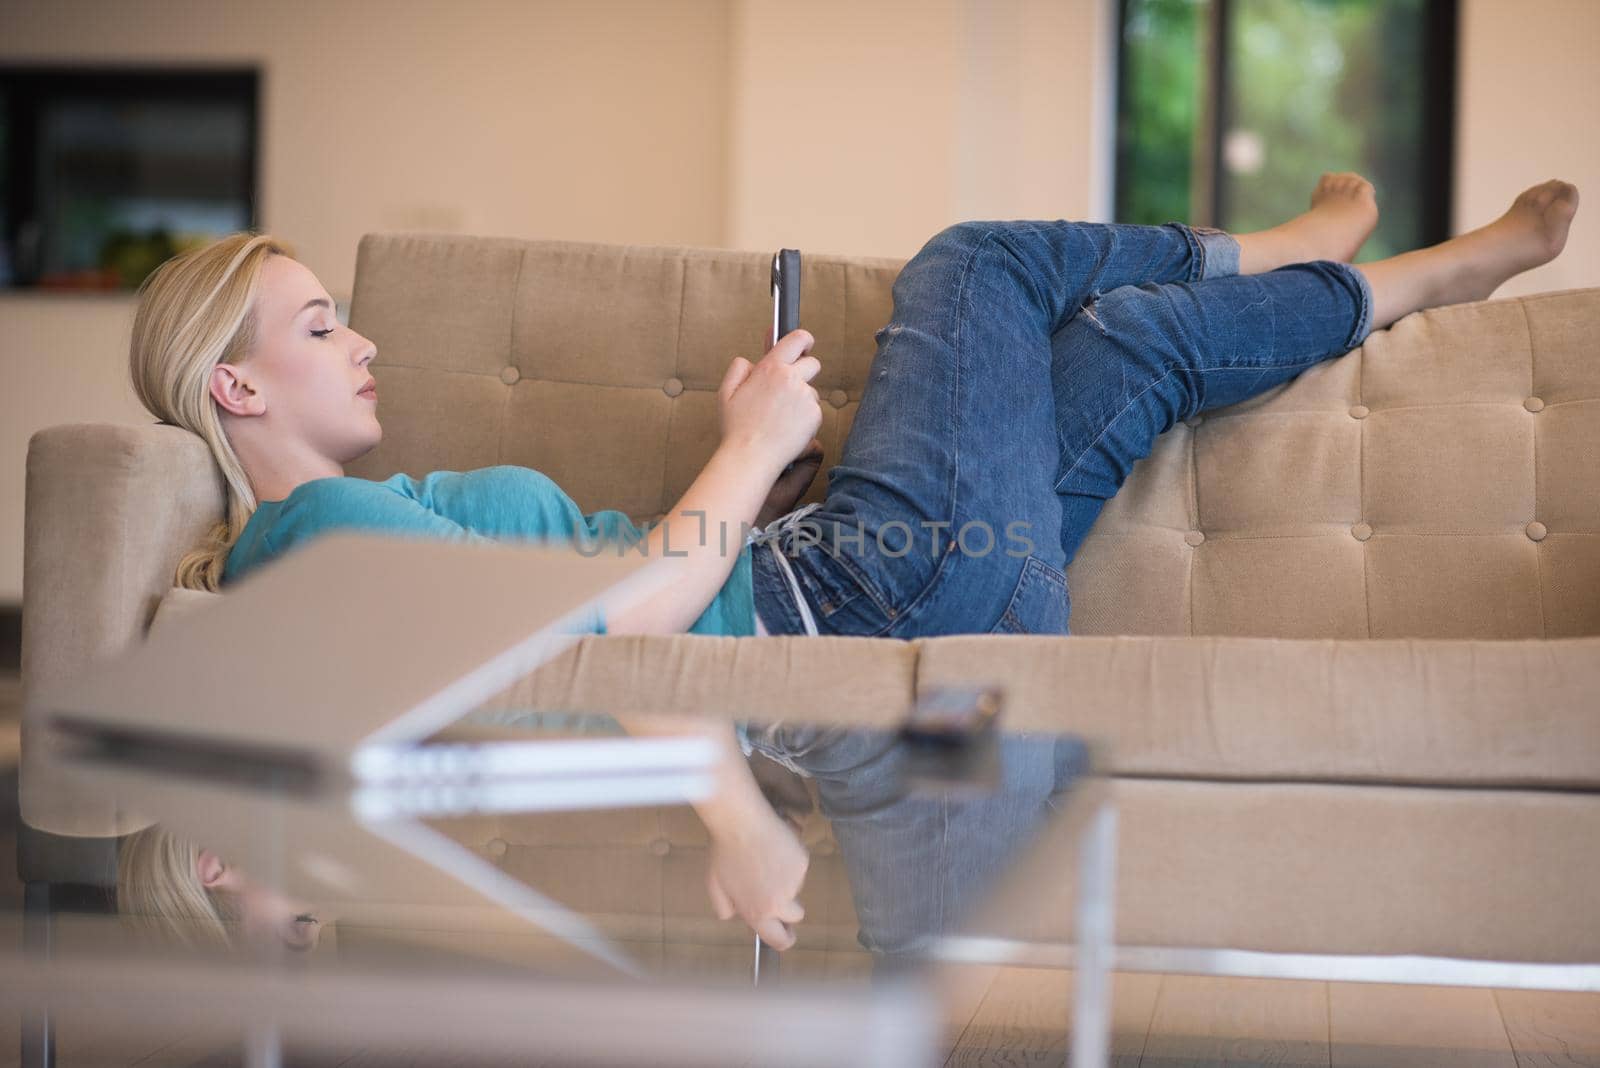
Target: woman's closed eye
(322, 333)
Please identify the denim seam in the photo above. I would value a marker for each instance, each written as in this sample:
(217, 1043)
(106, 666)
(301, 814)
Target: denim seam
(1200, 256)
(1039, 301)
(908, 611)
(941, 569)
(1363, 328)
(881, 631)
(1197, 251)
(856, 579)
(1024, 581)
(1114, 420)
(783, 604)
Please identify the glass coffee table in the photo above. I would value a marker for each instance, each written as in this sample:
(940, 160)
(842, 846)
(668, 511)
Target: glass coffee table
(536, 891)
(339, 845)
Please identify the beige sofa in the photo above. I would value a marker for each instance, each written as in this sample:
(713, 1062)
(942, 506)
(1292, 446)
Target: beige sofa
(1343, 640)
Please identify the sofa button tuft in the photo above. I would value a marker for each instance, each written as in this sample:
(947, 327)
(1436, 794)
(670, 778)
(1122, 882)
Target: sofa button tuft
(1360, 411)
(496, 847)
(1193, 421)
(1194, 537)
(838, 398)
(510, 375)
(660, 847)
(1361, 531)
(1537, 531)
(672, 387)
(1533, 404)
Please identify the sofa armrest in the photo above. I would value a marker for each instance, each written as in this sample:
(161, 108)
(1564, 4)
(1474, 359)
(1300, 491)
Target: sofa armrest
(110, 511)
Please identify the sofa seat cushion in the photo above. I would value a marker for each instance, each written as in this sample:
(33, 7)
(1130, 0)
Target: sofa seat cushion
(1326, 868)
(856, 681)
(1440, 712)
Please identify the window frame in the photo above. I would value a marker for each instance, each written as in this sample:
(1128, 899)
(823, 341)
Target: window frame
(1436, 139)
(26, 89)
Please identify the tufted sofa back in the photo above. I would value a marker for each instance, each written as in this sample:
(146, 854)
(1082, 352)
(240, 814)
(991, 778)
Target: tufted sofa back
(1442, 481)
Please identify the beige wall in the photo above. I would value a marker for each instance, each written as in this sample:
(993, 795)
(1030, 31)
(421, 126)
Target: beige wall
(657, 123)
(1529, 110)
(580, 119)
(863, 128)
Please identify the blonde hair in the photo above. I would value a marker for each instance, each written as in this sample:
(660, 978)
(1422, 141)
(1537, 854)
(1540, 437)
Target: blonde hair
(160, 895)
(195, 311)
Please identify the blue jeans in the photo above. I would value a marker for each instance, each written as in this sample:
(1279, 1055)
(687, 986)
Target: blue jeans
(920, 859)
(1027, 367)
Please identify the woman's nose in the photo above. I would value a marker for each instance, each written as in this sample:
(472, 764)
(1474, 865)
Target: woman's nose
(368, 351)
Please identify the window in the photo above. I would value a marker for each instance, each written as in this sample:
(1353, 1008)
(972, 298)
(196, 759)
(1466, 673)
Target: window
(105, 173)
(1229, 110)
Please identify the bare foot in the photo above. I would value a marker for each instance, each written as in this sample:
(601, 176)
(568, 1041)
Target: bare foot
(1344, 212)
(1531, 233)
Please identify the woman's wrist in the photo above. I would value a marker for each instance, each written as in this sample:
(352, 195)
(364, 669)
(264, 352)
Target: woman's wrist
(737, 801)
(753, 457)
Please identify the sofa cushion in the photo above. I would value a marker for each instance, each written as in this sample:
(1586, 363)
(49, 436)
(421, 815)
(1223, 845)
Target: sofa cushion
(1479, 713)
(1320, 868)
(860, 681)
(487, 346)
(1438, 482)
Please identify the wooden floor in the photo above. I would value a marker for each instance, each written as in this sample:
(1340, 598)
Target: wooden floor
(1166, 1021)
(1161, 1021)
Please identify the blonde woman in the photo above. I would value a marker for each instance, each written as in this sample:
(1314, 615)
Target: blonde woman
(171, 889)
(1026, 368)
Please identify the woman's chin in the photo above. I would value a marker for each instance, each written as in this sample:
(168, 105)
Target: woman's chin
(366, 444)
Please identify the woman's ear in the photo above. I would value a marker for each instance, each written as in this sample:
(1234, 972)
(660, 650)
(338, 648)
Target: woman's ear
(233, 394)
(210, 870)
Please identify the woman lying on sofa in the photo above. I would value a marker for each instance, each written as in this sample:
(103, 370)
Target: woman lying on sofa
(1026, 368)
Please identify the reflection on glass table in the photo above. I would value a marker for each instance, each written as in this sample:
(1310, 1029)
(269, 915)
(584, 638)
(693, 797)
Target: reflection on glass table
(347, 770)
(555, 848)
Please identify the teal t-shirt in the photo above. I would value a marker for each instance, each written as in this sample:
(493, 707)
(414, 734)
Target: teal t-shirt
(505, 503)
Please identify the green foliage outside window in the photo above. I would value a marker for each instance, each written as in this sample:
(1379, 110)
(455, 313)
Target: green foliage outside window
(1313, 86)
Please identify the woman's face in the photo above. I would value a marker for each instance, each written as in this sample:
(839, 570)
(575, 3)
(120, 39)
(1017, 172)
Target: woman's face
(307, 376)
(267, 919)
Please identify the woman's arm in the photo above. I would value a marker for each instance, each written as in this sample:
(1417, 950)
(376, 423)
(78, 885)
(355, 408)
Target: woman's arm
(769, 412)
(698, 542)
(757, 863)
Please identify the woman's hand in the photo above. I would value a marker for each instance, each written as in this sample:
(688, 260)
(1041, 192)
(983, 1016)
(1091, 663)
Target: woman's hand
(769, 409)
(791, 485)
(757, 868)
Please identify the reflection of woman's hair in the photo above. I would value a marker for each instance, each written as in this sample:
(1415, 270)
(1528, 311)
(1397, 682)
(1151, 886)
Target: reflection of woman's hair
(159, 891)
(195, 311)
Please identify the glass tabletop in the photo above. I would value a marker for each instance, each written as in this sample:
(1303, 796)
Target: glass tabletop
(569, 847)
(326, 805)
